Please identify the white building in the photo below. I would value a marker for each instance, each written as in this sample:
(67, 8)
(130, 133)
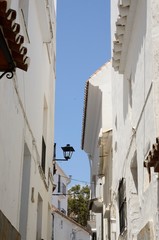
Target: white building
(63, 226)
(96, 142)
(135, 81)
(66, 228)
(129, 192)
(59, 195)
(27, 119)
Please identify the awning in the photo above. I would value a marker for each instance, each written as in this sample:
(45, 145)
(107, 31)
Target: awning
(15, 54)
(96, 205)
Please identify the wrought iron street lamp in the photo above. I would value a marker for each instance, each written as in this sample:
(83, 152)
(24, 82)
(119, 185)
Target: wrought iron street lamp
(67, 152)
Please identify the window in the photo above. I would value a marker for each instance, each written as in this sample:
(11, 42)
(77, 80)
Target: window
(44, 135)
(130, 91)
(59, 184)
(63, 189)
(122, 205)
(43, 155)
(94, 236)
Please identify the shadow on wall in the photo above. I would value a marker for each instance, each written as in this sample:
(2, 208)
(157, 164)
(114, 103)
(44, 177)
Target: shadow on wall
(7, 231)
(136, 44)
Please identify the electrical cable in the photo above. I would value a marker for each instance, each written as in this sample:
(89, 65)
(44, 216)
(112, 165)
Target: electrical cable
(82, 181)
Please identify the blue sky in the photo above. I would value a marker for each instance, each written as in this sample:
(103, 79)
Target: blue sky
(82, 45)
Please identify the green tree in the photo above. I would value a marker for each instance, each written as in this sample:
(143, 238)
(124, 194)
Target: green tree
(78, 201)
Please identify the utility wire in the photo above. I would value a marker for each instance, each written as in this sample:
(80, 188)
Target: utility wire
(82, 181)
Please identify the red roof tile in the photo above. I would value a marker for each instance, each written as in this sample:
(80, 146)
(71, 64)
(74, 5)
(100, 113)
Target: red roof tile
(13, 39)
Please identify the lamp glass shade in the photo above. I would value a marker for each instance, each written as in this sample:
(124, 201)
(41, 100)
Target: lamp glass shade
(67, 151)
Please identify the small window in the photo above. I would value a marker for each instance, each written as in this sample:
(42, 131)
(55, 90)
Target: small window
(94, 236)
(44, 135)
(122, 205)
(63, 189)
(130, 91)
(43, 155)
(59, 184)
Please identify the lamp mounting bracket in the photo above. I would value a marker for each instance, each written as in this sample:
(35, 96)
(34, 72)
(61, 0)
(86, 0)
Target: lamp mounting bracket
(9, 74)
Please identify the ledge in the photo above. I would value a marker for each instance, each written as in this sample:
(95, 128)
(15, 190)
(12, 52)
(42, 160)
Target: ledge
(124, 25)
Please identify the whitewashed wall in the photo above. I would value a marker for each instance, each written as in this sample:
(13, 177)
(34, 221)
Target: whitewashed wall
(22, 102)
(134, 122)
(98, 120)
(59, 196)
(66, 228)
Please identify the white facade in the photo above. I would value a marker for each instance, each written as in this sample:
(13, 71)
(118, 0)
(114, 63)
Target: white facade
(59, 195)
(135, 116)
(63, 227)
(27, 117)
(129, 191)
(96, 141)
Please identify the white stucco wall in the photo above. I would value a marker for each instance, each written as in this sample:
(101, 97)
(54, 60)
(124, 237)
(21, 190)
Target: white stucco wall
(65, 228)
(59, 196)
(134, 122)
(101, 78)
(98, 106)
(21, 118)
(98, 121)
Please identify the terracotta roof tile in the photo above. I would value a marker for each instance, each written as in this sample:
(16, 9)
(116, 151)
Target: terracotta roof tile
(14, 40)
